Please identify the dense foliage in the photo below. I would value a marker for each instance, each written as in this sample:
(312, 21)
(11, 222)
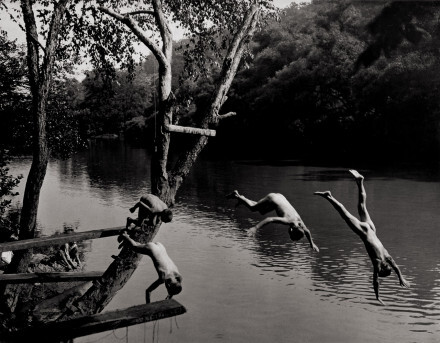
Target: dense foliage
(302, 95)
(311, 89)
(11, 85)
(304, 92)
(64, 133)
(7, 184)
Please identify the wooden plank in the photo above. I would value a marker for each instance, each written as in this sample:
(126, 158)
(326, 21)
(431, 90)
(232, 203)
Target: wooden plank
(49, 277)
(111, 320)
(192, 130)
(60, 239)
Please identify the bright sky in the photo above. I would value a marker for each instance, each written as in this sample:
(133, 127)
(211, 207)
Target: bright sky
(14, 31)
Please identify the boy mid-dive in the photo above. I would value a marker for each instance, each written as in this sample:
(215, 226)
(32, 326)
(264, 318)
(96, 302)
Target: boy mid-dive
(365, 229)
(287, 215)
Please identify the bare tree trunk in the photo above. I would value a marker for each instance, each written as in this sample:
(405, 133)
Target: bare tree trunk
(163, 184)
(114, 278)
(229, 69)
(159, 175)
(40, 81)
(121, 269)
(159, 161)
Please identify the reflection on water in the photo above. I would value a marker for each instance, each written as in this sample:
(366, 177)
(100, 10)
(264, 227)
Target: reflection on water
(265, 288)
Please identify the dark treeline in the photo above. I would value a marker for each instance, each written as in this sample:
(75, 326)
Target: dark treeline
(301, 93)
(303, 97)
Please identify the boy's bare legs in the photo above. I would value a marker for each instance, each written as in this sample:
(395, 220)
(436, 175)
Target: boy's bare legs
(351, 220)
(250, 204)
(362, 203)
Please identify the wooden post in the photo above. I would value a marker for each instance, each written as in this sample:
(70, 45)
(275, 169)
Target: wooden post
(192, 130)
(87, 325)
(50, 277)
(59, 239)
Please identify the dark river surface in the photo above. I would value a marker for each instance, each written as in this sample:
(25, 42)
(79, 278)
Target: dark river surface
(265, 288)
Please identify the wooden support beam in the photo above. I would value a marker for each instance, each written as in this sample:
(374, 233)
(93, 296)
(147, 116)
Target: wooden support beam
(226, 115)
(49, 277)
(192, 130)
(59, 239)
(87, 325)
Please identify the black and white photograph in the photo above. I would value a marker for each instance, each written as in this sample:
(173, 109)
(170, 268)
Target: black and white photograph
(185, 171)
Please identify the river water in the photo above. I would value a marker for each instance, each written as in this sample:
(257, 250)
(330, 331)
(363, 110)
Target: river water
(265, 288)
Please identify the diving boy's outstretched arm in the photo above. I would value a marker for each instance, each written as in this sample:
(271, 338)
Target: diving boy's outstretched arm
(309, 238)
(150, 289)
(266, 221)
(393, 264)
(376, 286)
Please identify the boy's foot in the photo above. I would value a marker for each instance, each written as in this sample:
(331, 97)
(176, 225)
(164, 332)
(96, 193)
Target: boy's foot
(232, 195)
(356, 175)
(325, 194)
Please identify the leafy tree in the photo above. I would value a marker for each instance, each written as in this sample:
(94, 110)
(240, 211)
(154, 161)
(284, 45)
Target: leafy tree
(300, 96)
(298, 89)
(237, 18)
(111, 105)
(40, 62)
(13, 86)
(7, 184)
(403, 51)
(12, 70)
(402, 22)
(114, 31)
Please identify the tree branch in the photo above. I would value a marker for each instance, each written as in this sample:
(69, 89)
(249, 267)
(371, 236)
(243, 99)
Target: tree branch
(139, 12)
(164, 28)
(233, 58)
(217, 118)
(226, 115)
(229, 69)
(134, 27)
(35, 39)
(52, 41)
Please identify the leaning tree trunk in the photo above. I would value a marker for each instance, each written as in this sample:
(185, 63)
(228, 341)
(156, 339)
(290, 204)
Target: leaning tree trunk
(40, 81)
(229, 69)
(115, 277)
(120, 270)
(164, 184)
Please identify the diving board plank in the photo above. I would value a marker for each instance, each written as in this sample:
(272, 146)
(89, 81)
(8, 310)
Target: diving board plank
(87, 325)
(59, 239)
(192, 130)
(49, 277)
